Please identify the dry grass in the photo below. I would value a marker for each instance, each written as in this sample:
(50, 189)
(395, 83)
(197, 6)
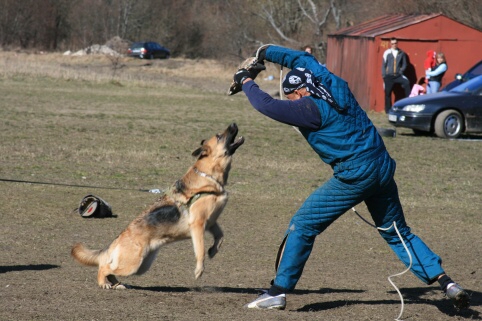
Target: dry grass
(208, 75)
(66, 114)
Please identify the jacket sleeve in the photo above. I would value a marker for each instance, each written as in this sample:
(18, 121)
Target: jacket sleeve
(301, 113)
(294, 59)
(404, 63)
(440, 69)
(384, 64)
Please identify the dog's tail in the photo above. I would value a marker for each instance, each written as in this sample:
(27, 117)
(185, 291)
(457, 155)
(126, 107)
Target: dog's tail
(85, 256)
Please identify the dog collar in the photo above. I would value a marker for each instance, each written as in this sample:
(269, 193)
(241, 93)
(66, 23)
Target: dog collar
(202, 174)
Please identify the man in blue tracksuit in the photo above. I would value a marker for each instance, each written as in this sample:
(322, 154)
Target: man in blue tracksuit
(322, 106)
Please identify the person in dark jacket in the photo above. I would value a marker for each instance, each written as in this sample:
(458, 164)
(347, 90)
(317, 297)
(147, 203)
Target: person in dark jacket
(328, 116)
(394, 63)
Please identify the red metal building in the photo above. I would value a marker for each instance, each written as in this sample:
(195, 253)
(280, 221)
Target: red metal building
(355, 53)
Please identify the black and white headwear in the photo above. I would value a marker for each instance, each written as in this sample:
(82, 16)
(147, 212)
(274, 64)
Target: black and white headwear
(304, 78)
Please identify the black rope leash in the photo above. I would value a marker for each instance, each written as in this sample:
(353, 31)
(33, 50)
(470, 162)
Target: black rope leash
(155, 191)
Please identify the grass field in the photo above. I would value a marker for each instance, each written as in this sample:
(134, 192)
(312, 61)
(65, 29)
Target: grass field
(72, 120)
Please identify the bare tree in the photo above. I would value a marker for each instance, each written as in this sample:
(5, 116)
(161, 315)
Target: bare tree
(465, 11)
(301, 22)
(125, 12)
(57, 22)
(208, 28)
(16, 20)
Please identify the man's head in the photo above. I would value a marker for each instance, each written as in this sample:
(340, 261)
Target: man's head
(394, 43)
(308, 49)
(301, 82)
(296, 82)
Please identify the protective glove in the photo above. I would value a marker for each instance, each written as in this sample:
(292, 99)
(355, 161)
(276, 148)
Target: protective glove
(253, 66)
(252, 73)
(260, 53)
(256, 68)
(241, 75)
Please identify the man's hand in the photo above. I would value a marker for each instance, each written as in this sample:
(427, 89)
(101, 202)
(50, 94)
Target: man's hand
(253, 66)
(241, 75)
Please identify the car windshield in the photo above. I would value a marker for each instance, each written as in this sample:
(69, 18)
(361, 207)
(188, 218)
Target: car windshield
(477, 70)
(136, 45)
(470, 86)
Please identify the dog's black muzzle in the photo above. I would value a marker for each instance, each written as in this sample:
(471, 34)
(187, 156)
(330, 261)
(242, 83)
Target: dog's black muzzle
(231, 142)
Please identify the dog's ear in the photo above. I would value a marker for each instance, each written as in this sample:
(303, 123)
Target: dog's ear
(197, 152)
(201, 152)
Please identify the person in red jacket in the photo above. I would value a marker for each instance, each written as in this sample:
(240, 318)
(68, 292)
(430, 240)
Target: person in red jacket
(429, 62)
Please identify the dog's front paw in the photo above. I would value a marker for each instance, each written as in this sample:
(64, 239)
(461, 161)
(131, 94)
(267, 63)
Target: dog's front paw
(213, 250)
(198, 272)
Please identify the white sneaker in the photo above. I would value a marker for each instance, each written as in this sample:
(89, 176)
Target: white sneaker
(266, 301)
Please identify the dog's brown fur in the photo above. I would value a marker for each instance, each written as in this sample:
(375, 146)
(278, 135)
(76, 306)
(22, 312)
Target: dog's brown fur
(191, 206)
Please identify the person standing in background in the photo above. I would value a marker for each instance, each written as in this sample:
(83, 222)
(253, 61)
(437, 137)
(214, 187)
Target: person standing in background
(308, 49)
(435, 76)
(394, 63)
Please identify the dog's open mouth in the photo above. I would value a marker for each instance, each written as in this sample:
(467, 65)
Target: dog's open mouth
(236, 144)
(231, 142)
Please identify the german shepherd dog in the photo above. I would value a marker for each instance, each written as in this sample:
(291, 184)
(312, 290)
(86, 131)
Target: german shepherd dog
(188, 208)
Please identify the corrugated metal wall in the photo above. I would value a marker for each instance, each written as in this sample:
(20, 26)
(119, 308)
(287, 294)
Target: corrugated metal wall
(355, 53)
(351, 64)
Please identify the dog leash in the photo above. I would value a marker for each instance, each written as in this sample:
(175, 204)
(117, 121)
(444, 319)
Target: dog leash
(154, 191)
(394, 225)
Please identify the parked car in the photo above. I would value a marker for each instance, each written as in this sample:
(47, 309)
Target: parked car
(148, 50)
(448, 114)
(474, 71)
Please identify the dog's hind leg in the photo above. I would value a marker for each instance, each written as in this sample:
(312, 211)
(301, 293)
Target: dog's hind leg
(218, 235)
(124, 260)
(105, 277)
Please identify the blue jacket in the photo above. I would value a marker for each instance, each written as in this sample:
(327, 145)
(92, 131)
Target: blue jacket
(343, 140)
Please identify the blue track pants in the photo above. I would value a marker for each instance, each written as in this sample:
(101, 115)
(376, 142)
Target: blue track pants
(372, 183)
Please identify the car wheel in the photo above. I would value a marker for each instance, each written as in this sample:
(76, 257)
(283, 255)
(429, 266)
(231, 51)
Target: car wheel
(151, 56)
(448, 124)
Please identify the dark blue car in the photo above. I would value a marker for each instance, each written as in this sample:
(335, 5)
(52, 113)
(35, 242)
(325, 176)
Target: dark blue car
(448, 114)
(474, 71)
(148, 50)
